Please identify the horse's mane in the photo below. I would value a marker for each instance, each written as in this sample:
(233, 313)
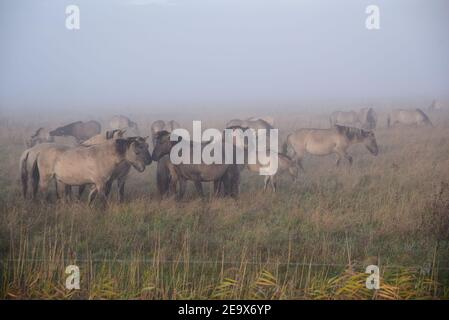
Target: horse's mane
(70, 124)
(110, 133)
(238, 127)
(38, 131)
(423, 114)
(349, 132)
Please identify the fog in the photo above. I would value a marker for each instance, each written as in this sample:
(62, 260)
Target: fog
(205, 55)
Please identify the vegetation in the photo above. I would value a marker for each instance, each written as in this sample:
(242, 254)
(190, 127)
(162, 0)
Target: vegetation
(311, 240)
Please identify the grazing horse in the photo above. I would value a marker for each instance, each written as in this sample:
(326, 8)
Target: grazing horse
(80, 130)
(408, 117)
(180, 173)
(366, 118)
(97, 164)
(326, 141)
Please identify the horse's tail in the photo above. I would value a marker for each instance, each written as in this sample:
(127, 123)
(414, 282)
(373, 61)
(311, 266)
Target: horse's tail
(388, 121)
(23, 169)
(285, 146)
(35, 177)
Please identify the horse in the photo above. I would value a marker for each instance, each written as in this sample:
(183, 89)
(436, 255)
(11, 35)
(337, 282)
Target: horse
(40, 136)
(120, 122)
(103, 137)
(121, 172)
(97, 164)
(161, 125)
(365, 118)
(285, 165)
(80, 130)
(368, 118)
(327, 141)
(180, 173)
(252, 124)
(408, 117)
(28, 165)
(267, 119)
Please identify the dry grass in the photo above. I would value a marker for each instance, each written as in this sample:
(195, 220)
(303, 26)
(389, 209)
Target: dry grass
(311, 240)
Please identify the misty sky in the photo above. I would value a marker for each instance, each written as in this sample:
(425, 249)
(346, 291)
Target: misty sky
(208, 52)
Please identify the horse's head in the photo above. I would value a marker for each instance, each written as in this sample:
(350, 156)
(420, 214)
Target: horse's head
(39, 137)
(163, 144)
(136, 151)
(370, 141)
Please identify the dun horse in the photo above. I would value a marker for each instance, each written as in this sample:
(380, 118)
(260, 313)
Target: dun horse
(327, 141)
(97, 164)
(366, 118)
(408, 117)
(285, 165)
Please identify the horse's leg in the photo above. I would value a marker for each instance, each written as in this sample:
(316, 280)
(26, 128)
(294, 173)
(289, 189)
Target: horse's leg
(265, 182)
(182, 188)
(273, 183)
(108, 187)
(67, 192)
(349, 158)
(337, 163)
(121, 188)
(102, 195)
(44, 187)
(217, 187)
(81, 189)
(92, 194)
(199, 188)
(299, 164)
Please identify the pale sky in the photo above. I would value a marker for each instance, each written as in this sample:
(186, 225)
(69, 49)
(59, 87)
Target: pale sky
(143, 53)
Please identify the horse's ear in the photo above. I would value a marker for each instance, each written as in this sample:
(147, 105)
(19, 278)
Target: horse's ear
(121, 145)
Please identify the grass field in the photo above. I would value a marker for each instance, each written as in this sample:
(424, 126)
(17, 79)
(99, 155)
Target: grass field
(310, 240)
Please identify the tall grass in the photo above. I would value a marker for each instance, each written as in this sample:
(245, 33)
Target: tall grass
(311, 240)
